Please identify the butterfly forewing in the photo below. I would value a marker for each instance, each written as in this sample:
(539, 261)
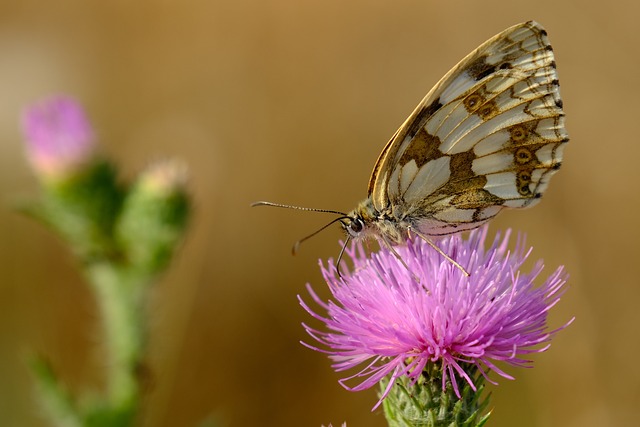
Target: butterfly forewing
(489, 135)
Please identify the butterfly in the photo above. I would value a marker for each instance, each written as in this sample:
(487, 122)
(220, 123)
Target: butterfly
(488, 136)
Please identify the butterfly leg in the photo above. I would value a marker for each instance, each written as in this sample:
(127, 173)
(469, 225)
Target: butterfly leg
(440, 251)
(340, 256)
(389, 246)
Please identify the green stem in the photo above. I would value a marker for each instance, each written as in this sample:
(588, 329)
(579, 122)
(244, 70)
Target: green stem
(119, 296)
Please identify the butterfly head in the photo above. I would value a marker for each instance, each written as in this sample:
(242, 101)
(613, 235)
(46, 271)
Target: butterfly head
(362, 221)
(353, 226)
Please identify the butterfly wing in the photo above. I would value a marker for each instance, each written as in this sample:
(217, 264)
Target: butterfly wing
(489, 135)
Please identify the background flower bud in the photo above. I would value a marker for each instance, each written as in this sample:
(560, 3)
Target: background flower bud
(59, 138)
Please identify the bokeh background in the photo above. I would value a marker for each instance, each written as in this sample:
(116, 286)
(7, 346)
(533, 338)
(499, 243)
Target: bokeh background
(291, 101)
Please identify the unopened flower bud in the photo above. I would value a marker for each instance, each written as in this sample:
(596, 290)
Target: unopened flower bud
(59, 138)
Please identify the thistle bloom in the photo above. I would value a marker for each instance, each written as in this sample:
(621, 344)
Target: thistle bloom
(384, 322)
(59, 137)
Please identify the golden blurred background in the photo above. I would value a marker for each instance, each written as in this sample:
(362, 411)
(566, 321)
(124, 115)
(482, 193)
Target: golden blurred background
(291, 101)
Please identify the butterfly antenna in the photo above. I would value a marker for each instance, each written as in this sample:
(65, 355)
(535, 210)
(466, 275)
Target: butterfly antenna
(300, 208)
(296, 245)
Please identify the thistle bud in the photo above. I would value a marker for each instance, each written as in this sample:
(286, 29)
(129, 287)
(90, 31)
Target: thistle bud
(154, 216)
(59, 138)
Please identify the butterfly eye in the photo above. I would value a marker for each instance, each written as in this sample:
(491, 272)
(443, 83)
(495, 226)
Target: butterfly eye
(355, 227)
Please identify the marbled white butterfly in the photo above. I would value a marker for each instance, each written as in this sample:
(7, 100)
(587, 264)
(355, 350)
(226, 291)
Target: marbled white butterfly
(488, 136)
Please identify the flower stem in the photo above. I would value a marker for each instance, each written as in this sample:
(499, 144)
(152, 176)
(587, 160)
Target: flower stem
(119, 295)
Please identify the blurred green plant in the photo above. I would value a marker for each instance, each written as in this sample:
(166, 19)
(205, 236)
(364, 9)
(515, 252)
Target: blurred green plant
(124, 236)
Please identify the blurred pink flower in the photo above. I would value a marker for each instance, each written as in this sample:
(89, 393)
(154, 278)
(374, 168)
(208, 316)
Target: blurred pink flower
(383, 322)
(59, 137)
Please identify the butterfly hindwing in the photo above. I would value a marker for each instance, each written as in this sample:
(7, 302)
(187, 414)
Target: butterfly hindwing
(489, 135)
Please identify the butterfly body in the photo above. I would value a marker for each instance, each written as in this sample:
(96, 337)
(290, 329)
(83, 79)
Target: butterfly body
(396, 223)
(488, 136)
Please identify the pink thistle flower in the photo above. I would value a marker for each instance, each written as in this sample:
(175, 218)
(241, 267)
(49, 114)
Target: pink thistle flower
(385, 323)
(59, 137)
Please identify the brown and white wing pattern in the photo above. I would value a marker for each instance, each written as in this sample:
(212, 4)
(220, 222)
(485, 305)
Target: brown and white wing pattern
(489, 135)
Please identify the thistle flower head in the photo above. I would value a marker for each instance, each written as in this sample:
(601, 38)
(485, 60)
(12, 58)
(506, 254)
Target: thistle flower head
(59, 138)
(385, 319)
